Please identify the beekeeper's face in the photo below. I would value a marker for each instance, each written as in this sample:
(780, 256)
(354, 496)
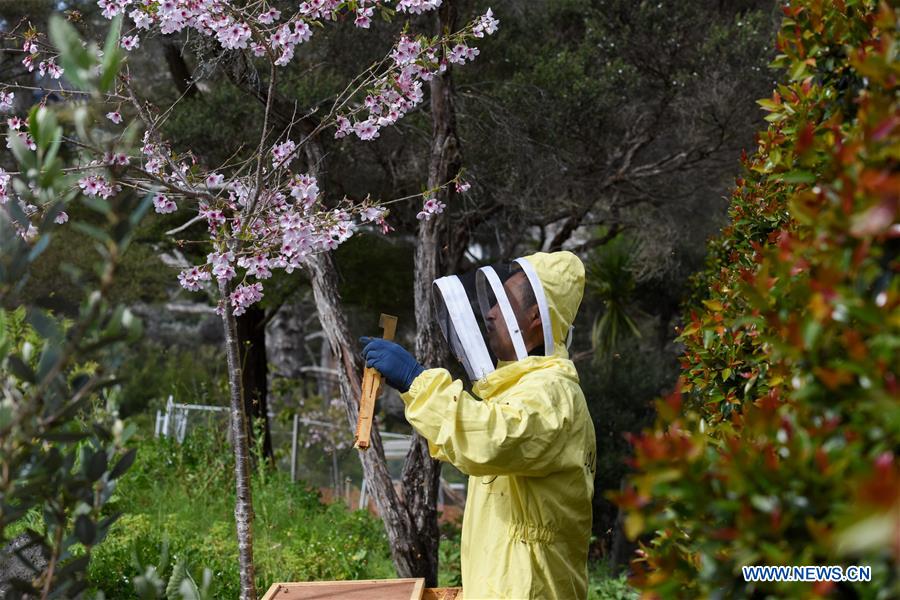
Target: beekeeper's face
(522, 301)
(509, 300)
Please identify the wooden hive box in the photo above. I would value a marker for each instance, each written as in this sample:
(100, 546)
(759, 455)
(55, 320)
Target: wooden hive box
(367, 589)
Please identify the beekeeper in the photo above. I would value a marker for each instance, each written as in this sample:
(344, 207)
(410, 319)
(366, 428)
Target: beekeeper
(523, 434)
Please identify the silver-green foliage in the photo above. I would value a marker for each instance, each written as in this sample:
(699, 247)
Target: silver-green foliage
(62, 447)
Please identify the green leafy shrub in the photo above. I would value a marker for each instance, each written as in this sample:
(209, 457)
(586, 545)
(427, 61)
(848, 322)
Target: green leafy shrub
(779, 448)
(62, 447)
(183, 496)
(450, 569)
(603, 585)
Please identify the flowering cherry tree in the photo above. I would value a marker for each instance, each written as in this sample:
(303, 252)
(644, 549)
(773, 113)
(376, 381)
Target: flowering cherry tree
(267, 213)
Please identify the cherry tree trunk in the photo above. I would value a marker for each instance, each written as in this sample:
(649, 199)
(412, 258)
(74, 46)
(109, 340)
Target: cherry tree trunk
(421, 473)
(409, 555)
(410, 520)
(243, 504)
(407, 551)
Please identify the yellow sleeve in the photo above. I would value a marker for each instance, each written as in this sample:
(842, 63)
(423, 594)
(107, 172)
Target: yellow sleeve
(522, 434)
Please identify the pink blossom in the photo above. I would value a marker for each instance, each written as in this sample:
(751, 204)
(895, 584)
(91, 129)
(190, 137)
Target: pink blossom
(114, 116)
(304, 188)
(302, 32)
(214, 218)
(257, 266)
(366, 130)
(406, 51)
(286, 56)
(28, 61)
(389, 119)
(15, 123)
(190, 279)
(371, 213)
(461, 53)
(462, 187)
(235, 36)
(26, 139)
(280, 37)
(4, 183)
(344, 127)
(6, 101)
(269, 17)
(95, 185)
(51, 68)
(130, 42)
(111, 8)
(417, 6)
(214, 180)
(245, 295)
(283, 154)
(319, 8)
(431, 207)
(141, 19)
(222, 266)
(364, 17)
(116, 158)
(61, 218)
(163, 205)
(487, 24)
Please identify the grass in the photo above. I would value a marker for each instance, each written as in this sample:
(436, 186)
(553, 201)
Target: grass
(178, 502)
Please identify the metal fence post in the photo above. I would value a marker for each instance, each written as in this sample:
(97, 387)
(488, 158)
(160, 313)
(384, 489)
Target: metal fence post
(294, 448)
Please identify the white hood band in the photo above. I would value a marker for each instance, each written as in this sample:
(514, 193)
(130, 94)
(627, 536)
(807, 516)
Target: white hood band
(512, 324)
(544, 310)
(454, 296)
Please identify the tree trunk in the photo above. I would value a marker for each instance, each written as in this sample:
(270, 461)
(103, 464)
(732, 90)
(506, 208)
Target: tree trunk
(243, 505)
(407, 551)
(421, 473)
(251, 333)
(410, 521)
(178, 68)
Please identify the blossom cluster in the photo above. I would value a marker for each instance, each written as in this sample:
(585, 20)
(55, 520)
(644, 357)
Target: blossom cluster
(284, 228)
(29, 232)
(97, 185)
(7, 99)
(432, 207)
(272, 219)
(262, 31)
(45, 67)
(394, 93)
(18, 126)
(4, 185)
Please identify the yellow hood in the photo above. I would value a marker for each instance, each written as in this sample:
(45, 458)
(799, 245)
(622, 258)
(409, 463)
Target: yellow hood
(562, 277)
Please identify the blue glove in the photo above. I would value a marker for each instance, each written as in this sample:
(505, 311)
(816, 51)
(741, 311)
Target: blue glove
(398, 366)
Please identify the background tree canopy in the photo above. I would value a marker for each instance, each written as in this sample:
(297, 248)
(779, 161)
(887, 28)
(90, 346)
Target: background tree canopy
(584, 122)
(611, 128)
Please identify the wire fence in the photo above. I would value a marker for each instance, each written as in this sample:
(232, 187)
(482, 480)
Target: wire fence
(335, 471)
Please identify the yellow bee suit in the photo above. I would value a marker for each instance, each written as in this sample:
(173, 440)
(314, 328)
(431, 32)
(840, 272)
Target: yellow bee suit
(529, 449)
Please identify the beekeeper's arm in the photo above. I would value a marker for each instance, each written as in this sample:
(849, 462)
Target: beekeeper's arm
(523, 434)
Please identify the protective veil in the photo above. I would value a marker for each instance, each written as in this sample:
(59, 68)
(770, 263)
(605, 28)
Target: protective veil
(502, 296)
(528, 444)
